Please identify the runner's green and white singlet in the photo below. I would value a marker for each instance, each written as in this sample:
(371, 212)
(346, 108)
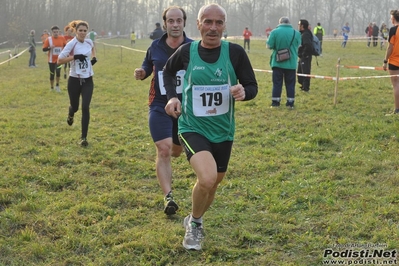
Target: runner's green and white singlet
(207, 105)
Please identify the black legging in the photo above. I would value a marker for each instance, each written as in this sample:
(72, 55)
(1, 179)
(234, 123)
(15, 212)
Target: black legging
(84, 87)
(66, 65)
(246, 42)
(54, 70)
(304, 67)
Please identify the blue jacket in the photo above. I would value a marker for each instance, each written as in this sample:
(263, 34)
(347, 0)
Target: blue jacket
(154, 61)
(280, 38)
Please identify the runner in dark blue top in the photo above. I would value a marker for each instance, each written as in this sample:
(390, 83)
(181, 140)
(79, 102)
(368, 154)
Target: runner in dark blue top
(163, 128)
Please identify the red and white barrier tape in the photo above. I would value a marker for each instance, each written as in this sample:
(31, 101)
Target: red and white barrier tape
(363, 67)
(331, 78)
(15, 56)
(8, 51)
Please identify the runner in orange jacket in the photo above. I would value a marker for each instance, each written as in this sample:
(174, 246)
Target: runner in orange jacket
(54, 45)
(68, 35)
(44, 35)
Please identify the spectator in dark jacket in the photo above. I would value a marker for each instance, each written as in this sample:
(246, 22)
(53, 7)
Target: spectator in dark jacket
(305, 54)
(376, 30)
(369, 33)
(157, 33)
(32, 49)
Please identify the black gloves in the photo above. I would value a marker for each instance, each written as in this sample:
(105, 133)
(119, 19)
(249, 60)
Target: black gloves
(93, 61)
(81, 57)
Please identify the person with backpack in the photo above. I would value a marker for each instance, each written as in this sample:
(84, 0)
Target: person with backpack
(305, 52)
(319, 32)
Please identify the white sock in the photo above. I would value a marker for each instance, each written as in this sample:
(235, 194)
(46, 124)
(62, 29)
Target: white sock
(196, 220)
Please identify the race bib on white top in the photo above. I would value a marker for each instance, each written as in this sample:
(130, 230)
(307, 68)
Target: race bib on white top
(82, 68)
(179, 82)
(210, 100)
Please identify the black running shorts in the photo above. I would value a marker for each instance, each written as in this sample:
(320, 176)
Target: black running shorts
(194, 142)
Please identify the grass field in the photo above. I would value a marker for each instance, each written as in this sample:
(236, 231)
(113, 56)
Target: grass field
(299, 182)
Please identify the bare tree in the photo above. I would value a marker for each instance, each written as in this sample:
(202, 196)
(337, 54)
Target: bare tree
(18, 17)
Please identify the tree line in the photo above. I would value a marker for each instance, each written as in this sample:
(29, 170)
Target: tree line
(18, 17)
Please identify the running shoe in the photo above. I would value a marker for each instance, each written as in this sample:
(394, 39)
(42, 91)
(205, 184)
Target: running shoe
(170, 205)
(70, 120)
(289, 105)
(275, 104)
(395, 112)
(57, 89)
(194, 234)
(83, 142)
